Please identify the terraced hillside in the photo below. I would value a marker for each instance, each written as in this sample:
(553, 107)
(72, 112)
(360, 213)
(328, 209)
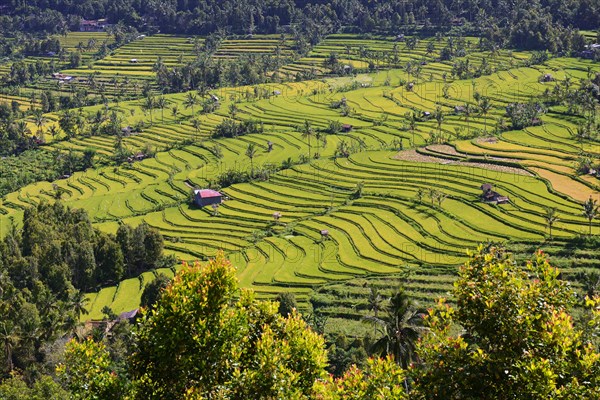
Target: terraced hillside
(393, 198)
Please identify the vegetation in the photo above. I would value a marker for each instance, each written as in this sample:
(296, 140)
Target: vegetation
(353, 144)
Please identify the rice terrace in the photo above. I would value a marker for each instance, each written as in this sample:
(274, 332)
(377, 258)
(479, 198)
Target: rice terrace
(331, 164)
(374, 173)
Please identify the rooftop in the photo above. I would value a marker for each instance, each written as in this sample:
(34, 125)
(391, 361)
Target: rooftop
(205, 193)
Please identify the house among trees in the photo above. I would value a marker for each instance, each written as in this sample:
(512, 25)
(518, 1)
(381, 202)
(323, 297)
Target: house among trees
(207, 197)
(346, 128)
(459, 109)
(62, 77)
(547, 78)
(491, 196)
(93, 25)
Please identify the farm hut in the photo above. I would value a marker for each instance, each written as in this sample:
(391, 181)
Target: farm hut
(92, 25)
(126, 131)
(324, 233)
(547, 78)
(128, 315)
(214, 98)
(276, 216)
(488, 195)
(269, 146)
(459, 109)
(346, 128)
(207, 197)
(276, 92)
(426, 114)
(133, 61)
(400, 38)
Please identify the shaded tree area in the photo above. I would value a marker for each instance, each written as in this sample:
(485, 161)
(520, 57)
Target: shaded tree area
(67, 251)
(535, 24)
(46, 266)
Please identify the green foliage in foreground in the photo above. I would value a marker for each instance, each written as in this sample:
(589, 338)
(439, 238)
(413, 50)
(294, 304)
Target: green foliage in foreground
(204, 339)
(518, 341)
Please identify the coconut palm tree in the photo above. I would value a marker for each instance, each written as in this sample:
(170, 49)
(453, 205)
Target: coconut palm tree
(399, 327)
(485, 106)
(161, 103)
(307, 132)
(190, 101)
(148, 105)
(375, 300)
(9, 336)
(590, 211)
(439, 117)
(53, 130)
(78, 302)
(251, 151)
(551, 217)
(412, 124)
(40, 121)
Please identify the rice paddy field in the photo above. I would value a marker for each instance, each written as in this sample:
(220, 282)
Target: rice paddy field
(387, 234)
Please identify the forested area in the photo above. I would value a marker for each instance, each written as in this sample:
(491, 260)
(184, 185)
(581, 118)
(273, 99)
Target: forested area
(530, 25)
(46, 267)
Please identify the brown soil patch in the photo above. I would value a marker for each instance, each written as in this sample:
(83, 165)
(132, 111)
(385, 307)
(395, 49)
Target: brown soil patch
(413, 156)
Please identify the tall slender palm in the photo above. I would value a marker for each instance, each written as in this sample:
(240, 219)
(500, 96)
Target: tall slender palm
(162, 103)
(9, 336)
(190, 101)
(439, 117)
(40, 121)
(251, 151)
(467, 113)
(399, 327)
(375, 300)
(307, 132)
(590, 211)
(412, 124)
(148, 105)
(196, 123)
(551, 217)
(485, 105)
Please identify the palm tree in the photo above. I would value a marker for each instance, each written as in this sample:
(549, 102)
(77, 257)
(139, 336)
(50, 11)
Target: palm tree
(190, 101)
(439, 117)
(467, 112)
(148, 105)
(175, 111)
(78, 303)
(250, 153)
(39, 120)
(233, 110)
(9, 337)
(196, 123)
(551, 218)
(161, 103)
(412, 124)
(21, 128)
(400, 328)
(590, 211)
(375, 300)
(307, 132)
(485, 106)
(53, 130)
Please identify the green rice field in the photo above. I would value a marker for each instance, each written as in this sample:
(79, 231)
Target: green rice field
(387, 230)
